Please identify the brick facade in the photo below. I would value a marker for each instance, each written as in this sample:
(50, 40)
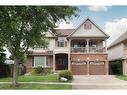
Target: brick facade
(29, 64)
(79, 69)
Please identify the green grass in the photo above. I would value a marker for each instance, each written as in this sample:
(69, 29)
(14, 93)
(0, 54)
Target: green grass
(38, 86)
(122, 77)
(34, 78)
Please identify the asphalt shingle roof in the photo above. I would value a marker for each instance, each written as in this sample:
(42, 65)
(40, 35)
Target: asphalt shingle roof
(64, 32)
(119, 40)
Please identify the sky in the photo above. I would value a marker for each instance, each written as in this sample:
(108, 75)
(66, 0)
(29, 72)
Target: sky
(112, 19)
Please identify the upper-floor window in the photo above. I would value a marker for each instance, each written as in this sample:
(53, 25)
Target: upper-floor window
(87, 26)
(62, 42)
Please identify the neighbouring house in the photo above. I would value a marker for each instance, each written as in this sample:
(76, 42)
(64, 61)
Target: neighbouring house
(82, 50)
(117, 51)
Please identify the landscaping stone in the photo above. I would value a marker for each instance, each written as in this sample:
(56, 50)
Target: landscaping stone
(63, 79)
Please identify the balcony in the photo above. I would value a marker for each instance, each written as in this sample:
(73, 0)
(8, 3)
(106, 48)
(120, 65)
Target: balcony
(90, 46)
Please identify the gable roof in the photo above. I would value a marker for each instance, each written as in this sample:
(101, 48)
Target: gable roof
(106, 35)
(119, 40)
(61, 32)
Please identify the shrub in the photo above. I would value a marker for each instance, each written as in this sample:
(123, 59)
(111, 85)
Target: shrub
(66, 74)
(38, 70)
(115, 67)
(42, 70)
(47, 70)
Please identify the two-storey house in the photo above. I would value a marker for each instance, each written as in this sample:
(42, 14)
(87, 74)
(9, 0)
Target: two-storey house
(117, 51)
(82, 50)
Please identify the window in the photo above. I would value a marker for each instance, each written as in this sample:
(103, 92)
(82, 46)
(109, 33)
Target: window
(62, 42)
(96, 62)
(40, 61)
(87, 26)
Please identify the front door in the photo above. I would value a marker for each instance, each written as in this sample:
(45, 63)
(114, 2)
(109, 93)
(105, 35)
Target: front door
(61, 62)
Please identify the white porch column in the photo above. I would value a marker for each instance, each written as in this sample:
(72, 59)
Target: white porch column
(54, 64)
(69, 62)
(106, 46)
(87, 45)
(88, 64)
(106, 67)
(124, 63)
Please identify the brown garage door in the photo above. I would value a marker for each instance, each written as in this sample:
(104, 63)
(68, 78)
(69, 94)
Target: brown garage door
(97, 68)
(79, 69)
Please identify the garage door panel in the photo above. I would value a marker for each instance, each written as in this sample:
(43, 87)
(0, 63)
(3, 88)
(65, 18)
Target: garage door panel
(79, 69)
(97, 69)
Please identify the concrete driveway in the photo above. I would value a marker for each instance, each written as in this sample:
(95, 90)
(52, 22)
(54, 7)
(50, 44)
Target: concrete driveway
(98, 82)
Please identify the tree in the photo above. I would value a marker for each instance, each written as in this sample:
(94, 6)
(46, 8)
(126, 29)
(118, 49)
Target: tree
(25, 26)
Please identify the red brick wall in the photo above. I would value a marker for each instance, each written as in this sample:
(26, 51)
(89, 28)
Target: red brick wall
(29, 64)
(92, 57)
(50, 61)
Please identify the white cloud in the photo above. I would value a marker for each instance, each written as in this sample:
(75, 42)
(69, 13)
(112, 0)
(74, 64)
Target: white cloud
(98, 8)
(65, 25)
(115, 29)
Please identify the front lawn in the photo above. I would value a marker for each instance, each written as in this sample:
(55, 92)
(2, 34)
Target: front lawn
(122, 77)
(38, 86)
(34, 78)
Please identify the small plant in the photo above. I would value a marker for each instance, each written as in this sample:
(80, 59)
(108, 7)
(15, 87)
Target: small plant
(47, 70)
(38, 70)
(42, 70)
(66, 74)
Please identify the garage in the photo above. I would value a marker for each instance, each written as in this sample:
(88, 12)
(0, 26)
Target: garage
(90, 68)
(92, 64)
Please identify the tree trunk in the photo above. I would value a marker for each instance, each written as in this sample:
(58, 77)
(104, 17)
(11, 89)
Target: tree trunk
(15, 73)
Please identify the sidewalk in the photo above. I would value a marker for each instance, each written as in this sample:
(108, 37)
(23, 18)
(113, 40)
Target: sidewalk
(82, 84)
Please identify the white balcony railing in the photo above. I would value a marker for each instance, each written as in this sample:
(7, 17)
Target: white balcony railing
(79, 49)
(97, 50)
(90, 50)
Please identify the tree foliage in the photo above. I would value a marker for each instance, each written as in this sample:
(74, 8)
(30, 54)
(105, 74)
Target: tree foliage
(25, 26)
